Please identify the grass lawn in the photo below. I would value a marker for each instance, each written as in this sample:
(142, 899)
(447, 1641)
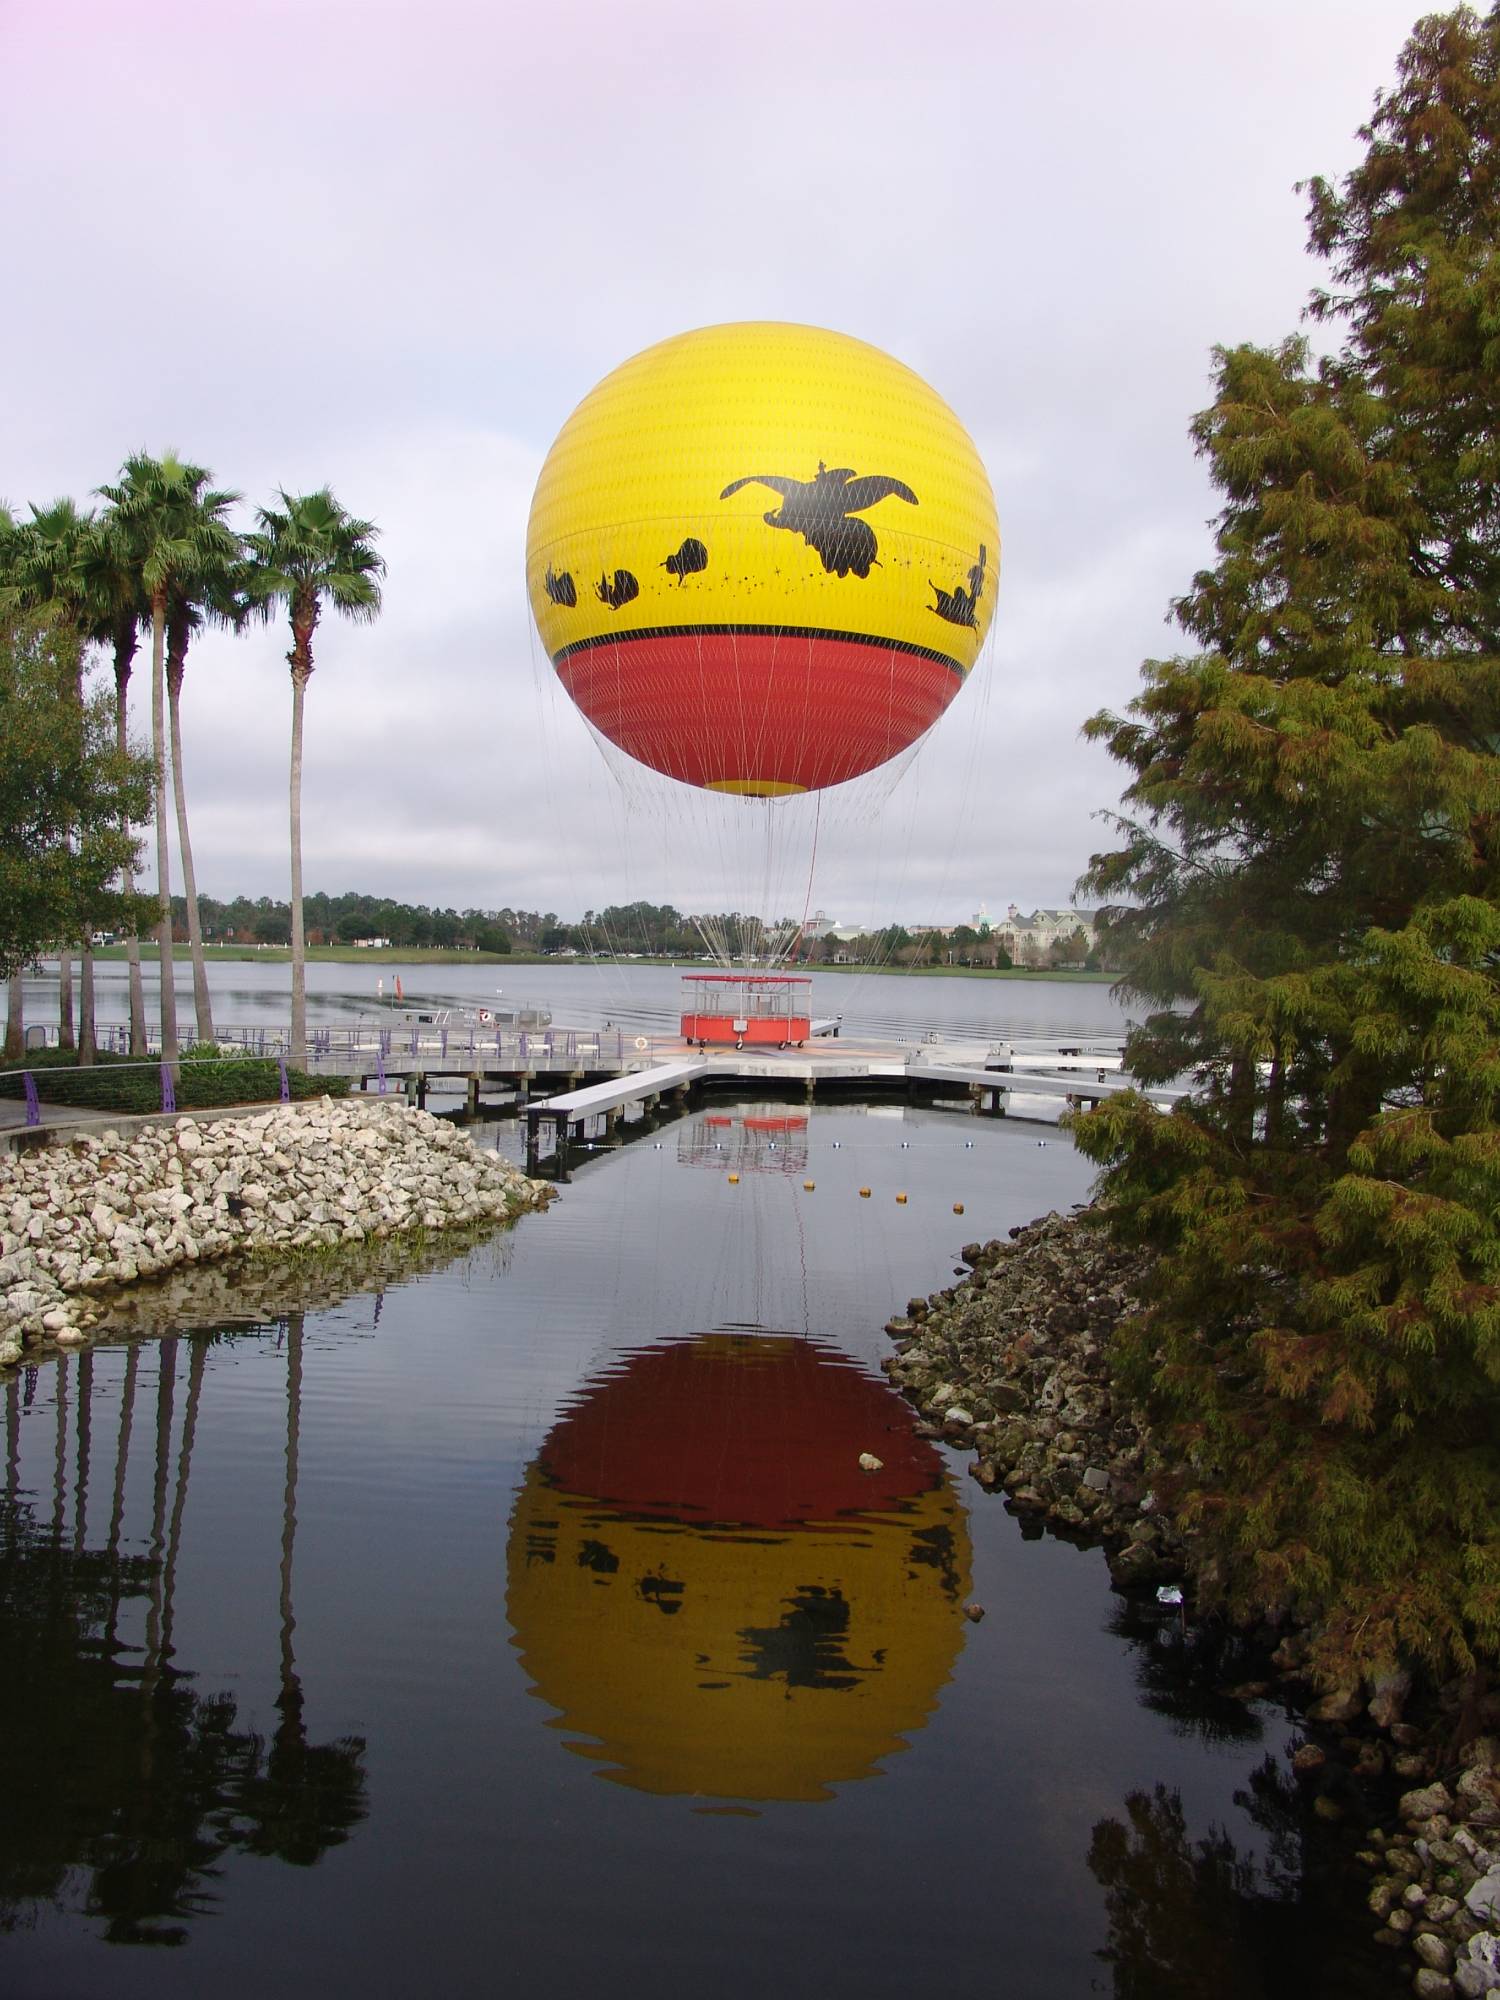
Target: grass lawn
(328, 954)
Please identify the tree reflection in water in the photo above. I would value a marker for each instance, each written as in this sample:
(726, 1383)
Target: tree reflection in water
(1204, 1918)
(133, 1787)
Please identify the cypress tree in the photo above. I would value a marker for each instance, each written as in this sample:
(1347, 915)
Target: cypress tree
(1306, 888)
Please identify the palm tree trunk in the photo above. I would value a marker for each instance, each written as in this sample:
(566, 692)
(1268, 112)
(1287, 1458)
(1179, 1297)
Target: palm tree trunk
(132, 943)
(165, 1384)
(299, 941)
(88, 1039)
(60, 1453)
(294, 1327)
(197, 1355)
(202, 1008)
(85, 1436)
(117, 1511)
(163, 857)
(15, 1017)
(65, 1037)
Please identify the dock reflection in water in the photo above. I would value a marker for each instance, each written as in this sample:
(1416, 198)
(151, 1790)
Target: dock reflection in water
(712, 1592)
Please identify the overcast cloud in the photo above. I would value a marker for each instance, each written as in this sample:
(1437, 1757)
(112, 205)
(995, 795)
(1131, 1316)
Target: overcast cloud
(390, 247)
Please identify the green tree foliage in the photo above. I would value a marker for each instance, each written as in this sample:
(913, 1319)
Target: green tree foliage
(65, 795)
(1307, 892)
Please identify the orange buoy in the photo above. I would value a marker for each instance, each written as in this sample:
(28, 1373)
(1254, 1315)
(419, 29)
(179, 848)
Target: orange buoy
(809, 1185)
(901, 1197)
(864, 1194)
(958, 1208)
(733, 1180)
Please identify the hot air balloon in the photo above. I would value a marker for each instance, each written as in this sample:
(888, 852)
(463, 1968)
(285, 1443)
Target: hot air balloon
(762, 558)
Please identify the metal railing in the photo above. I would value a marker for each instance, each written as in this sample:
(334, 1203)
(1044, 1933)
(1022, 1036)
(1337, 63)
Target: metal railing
(69, 1086)
(332, 1052)
(335, 1046)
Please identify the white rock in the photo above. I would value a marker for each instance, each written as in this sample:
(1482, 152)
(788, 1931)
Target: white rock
(1483, 1898)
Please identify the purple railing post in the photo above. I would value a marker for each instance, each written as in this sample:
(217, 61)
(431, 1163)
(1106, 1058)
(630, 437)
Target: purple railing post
(380, 1067)
(286, 1083)
(33, 1109)
(168, 1094)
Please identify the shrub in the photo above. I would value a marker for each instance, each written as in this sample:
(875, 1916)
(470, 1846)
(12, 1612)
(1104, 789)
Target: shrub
(206, 1078)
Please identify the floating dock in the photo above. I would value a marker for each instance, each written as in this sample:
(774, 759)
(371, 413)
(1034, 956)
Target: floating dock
(571, 1083)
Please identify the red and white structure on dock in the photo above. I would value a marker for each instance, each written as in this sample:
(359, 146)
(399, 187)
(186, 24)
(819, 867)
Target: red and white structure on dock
(739, 1009)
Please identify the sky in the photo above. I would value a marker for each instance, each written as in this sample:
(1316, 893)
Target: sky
(389, 247)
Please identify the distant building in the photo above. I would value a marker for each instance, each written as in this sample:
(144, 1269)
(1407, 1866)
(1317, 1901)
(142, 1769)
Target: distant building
(1031, 937)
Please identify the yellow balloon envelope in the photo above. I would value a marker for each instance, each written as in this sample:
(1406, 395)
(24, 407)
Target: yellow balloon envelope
(763, 557)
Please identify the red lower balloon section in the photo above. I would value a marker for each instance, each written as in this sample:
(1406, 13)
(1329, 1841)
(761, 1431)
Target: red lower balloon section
(759, 712)
(749, 1429)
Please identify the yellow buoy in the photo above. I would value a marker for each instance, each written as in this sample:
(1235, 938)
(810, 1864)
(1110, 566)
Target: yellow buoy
(864, 1194)
(734, 1180)
(809, 1185)
(958, 1208)
(901, 1197)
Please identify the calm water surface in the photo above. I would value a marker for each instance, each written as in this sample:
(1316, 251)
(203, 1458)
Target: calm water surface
(640, 997)
(523, 1622)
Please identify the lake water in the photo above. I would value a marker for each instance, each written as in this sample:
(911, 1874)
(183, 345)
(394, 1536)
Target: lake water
(644, 998)
(515, 1617)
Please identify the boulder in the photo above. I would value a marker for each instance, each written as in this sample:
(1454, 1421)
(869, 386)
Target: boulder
(1424, 1802)
(1483, 1898)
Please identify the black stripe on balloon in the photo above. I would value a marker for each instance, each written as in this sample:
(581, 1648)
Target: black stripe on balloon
(759, 631)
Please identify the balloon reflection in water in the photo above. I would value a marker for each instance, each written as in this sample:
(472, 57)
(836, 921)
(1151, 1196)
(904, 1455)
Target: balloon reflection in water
(705, 1584)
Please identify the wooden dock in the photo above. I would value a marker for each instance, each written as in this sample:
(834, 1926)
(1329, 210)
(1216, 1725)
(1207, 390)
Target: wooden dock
(570, 1082)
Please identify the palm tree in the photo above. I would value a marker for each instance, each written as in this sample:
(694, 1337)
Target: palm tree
(214, 595)
(15, 992)
(120, 605)
(46, 574)
(173, 527)
(308, 553)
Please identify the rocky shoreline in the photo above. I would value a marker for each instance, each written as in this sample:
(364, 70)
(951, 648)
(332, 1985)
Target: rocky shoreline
(82, 1221)
(1012, 1364)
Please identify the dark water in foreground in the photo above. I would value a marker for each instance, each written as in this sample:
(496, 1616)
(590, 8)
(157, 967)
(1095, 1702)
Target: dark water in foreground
(527, 1625)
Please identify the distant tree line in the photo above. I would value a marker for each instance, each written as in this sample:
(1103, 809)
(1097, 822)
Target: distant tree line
(350, 919)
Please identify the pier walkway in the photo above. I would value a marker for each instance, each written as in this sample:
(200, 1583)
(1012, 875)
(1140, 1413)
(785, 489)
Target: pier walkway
(563, 1081)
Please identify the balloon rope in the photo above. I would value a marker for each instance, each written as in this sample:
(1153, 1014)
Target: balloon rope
(812, 863)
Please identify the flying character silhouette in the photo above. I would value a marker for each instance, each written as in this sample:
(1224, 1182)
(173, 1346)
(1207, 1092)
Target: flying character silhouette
(561, 589)
(820, 511)
(958, 605)
(689, 559)
(617, 589)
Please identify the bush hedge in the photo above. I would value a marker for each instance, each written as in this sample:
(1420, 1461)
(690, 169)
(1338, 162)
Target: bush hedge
(206, 1077)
